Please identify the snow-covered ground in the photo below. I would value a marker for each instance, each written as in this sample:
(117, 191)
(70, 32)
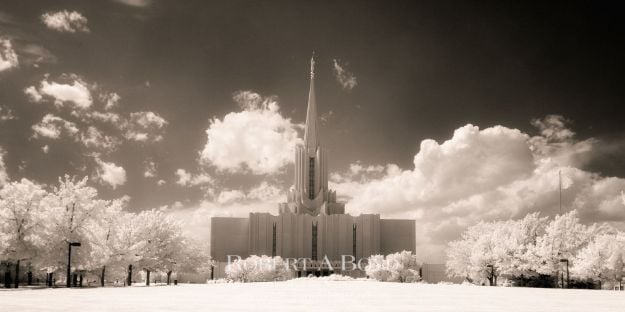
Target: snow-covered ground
(312, 295)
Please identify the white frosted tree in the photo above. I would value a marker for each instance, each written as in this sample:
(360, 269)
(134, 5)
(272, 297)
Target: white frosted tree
(67, 214)
(160, 242)
(490, 249)
(192, 259)
(473, 256)
(257, 269)
(602, 259)
(513, 242)
(564, 237)
(20, 212)
(396, 267)
(101, 233)
(128, 243)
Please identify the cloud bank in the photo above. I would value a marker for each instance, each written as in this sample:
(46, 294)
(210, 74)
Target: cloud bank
(486, 174)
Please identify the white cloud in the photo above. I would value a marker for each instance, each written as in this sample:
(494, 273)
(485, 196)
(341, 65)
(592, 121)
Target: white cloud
(4, 177)
(187, 179)
(8, 57)
(110, 100)
(107, 117)
(144, 126)
(481, 175)
(33, 94)
(95, 139)
(110, 173)
(266, 192)
(346, 79)
(45, 149)
(135, 3)
(257, 140)
(161, 182)
(150, 169)
(6, 114)
(184, 177)
(230, 196)
(75, 92)
(65, 21)
(53, 127)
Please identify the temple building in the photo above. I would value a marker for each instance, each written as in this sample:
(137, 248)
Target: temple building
(312, 224)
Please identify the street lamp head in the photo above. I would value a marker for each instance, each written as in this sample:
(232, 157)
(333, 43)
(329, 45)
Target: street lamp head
(564, 260)
(75, 244)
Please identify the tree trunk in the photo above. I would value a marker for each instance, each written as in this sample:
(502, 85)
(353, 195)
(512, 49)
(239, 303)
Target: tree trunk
(29, 278)
(102, 276)
(168, 277)
(147, 277)
(129, 275)
(7, 278)
(17, 274)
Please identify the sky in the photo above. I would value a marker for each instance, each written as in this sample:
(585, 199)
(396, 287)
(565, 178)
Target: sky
(449, 113)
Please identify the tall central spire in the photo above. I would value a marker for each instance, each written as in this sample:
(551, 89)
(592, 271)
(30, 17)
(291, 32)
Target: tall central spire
(311, 140)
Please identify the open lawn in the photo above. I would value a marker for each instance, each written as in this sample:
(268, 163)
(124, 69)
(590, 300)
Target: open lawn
(312, 295)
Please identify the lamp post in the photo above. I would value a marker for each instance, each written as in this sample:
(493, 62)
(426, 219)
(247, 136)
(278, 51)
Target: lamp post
(567, 273)
(69, 260)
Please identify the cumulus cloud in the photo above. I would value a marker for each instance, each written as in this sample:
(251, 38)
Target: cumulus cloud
(230, 196)
(65, 21)
(75, 92)
(257, 140)
(267, 193)
(6, 113)
(110, 100)
(8, 57)
(4, 177)
(150, 169)
(484, 174)
(187, 179)
(110, 173)
(53, 127)
(264, 192)
(144, 127)
(96, 140)
(346, 79)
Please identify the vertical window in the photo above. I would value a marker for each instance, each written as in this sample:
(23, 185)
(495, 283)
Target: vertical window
(273, 243)
(311, 178)
(314, 241)
(354, 240)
